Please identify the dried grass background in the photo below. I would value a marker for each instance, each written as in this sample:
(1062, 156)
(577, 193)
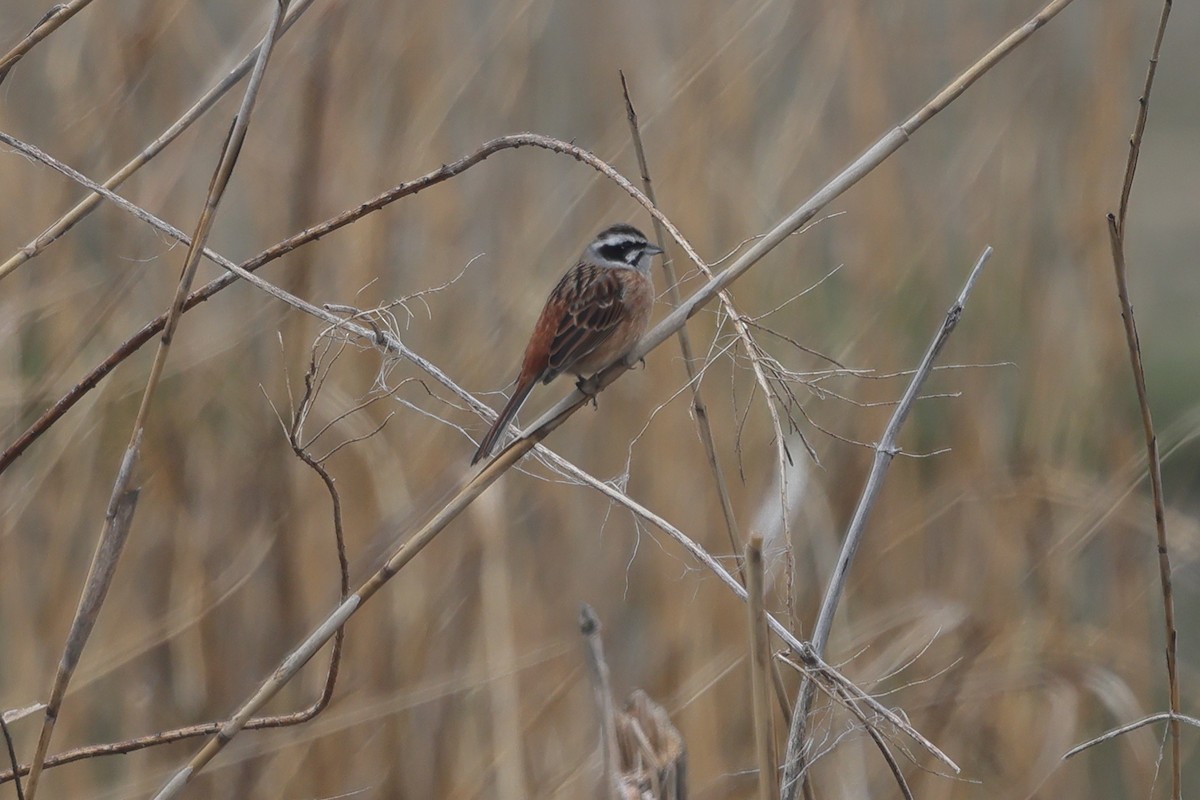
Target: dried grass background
(1007, 590)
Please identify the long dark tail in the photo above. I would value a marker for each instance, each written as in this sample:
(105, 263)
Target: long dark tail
(510, 410)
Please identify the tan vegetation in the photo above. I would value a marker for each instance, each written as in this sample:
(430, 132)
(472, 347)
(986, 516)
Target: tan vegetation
(1006, 597)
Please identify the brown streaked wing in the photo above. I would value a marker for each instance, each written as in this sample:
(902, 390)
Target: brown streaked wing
(594, 307)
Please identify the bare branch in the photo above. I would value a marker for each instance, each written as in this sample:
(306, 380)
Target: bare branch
(1116, 235)
(885, 451)
(1129, 727)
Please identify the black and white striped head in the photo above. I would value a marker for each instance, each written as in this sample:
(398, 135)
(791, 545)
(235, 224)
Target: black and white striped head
(621, 245)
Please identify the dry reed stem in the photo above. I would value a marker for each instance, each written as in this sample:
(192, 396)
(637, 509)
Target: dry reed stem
(119, 515)
(760, 672)
(885, 451)
(888, 144)
(206, 101)
(569, 404)
(699, 408)
(1129, 727)
(313, 233)
(1160, 517)
(48, 24)
(499, 646)
(1116, 235)
(12, 755)
(822, 670)
(589, 627)
(488, 474)
(875, 155)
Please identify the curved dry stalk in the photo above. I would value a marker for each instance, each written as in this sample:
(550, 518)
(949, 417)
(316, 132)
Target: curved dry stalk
(1121, 730)
(311, 234)
(474, 486)
(207, 100)
(794, 765)
(875, 155)
(119, 515)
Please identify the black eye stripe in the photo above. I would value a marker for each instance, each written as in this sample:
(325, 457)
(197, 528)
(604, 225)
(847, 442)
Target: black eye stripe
(626, 250)
(615, 251)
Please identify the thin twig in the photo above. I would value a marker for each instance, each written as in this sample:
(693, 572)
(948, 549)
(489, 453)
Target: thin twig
(589, 627)
(885, 451)
(1129, 727)
(1139, 128)
(117, 522)
(120, 509)
(1116, 236)
(85, 206)
(12, 756)
(760, 672)
(699, 408)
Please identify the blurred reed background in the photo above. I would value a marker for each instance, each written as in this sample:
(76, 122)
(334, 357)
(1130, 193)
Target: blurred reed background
(1007, 592)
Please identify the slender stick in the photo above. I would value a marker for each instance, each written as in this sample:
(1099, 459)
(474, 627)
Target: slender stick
(887, 449)
(1116, 236)
(1129, 727)
(12, 756)
(699, 409)
(1160, 514)
(589, 626)
(760, 672)
(119, 516)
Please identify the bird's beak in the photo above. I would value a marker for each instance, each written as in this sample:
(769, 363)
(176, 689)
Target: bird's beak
(653, 250)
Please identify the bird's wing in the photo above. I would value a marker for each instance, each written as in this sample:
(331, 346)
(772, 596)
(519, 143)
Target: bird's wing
(593, 305)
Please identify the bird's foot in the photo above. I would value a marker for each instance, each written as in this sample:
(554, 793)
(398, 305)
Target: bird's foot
(588, 387)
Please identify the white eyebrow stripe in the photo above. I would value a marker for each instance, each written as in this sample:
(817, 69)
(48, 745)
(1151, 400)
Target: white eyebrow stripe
(619, 239)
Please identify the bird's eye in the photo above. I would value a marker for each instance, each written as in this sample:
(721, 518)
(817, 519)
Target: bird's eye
(615, 252)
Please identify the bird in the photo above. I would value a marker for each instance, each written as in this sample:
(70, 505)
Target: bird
(593, 317)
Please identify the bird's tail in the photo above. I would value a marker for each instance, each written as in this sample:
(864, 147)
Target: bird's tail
(510, 410)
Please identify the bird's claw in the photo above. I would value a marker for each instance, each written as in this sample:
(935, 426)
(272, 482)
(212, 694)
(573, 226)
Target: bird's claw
(587, 386)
